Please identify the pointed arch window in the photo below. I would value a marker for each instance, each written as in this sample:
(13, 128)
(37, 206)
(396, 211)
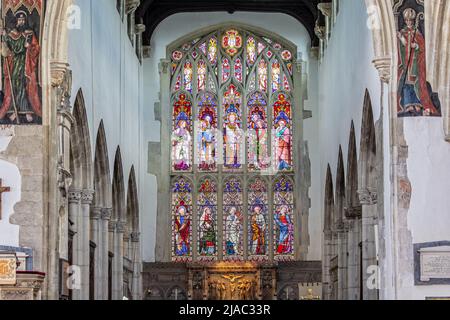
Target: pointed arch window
(232, 146)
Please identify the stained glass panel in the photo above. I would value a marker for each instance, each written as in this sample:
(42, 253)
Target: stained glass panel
(207, 219)
(206, 140)
(283, 219)
(188, 76)
(181, 220)
(276, 76)
(233, 220)
(282, 139)
(258, 133)
(232, 129)
(201, 75)
(262, 75)
(251, 51)
(238, 69)
(212, 51)
(226, 70)
(258, 226)
(182, 134)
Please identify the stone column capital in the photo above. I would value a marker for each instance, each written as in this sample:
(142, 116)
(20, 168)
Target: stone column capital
(353, 212)
(112, 224)
(135, 236)
(383, 65)
(106, 213)
(368, 196)
(74, 196)
(96, 213)
(121, 226)
(87, 196)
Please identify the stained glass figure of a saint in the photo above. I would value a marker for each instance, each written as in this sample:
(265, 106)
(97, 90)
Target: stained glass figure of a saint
(233, 227)
(207, 117)
(285, 230)
(232, 134)
(181, 137)
(283, 134)
(258, 134)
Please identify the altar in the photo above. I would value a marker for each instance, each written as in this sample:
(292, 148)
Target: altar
(227, 280)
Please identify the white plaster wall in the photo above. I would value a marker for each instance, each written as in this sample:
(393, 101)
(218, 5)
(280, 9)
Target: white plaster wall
(429, 214)
(105, 67)
(10, 175)
(171, 29)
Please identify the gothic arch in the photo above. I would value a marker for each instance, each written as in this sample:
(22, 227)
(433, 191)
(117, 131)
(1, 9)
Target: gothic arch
(329, 201)
(368, 146)
(81, 157)
(102, 176)
(132, 203)
(340, 190)
(352, 173)
(118, 189)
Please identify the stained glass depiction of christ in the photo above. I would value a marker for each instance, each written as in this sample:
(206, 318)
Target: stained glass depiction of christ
(181, 136)
(233, 219)
(283, 135)
(206, 140)
(283, 219)
(207, 223)
(258, 221)
(181, 219)
(232, 132)
(258, 134)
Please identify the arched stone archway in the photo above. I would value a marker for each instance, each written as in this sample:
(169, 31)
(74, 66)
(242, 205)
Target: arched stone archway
(101, 215)
(368, 194)
(118, 226)
(353, 215)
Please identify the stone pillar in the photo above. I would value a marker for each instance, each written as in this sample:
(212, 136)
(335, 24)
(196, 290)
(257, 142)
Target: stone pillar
(87, 196)
(327, 255)
(96, 214)
(342, 261)
(112, 236)
(74, 217)
(118, 259)
(137, 266)
(368, 200)
(104, 249)
(139, 30)
(353, 268)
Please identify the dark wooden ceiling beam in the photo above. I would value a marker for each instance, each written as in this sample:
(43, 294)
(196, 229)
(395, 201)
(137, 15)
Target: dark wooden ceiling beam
(153, 12)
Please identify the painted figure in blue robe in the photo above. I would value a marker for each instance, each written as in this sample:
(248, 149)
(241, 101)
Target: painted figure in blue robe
(285, 229)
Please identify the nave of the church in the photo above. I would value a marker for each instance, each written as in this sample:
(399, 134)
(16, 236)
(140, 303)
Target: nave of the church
(223, 150)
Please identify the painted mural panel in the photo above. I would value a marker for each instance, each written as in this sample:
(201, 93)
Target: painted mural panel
(415, 94)
(21, 96)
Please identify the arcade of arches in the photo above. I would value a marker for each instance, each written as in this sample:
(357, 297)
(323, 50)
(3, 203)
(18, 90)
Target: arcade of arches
(264, 150)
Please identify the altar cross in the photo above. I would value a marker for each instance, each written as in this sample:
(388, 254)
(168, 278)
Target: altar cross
(2, 189)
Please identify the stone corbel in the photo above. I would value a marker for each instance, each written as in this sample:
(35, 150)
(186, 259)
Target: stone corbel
(139, 28)
(326, 8)
(146, 50)
(383, 65)
(368, 196)
(106, 214)
(131, 6)
(135, 237)
(320, 32)
(57, 71)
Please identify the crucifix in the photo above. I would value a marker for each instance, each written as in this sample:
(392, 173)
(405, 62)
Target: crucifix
(2, 189)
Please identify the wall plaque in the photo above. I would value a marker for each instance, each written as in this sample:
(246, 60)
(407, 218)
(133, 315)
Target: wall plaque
(432, 263)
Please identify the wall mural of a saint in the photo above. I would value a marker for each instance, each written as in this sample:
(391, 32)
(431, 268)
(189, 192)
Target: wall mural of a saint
(415, 94)
(20, 99)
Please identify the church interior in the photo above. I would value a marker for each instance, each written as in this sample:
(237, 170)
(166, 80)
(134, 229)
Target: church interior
(225, 150)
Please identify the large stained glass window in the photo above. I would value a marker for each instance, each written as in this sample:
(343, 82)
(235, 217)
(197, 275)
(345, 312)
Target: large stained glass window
(207, 219)
(233, 219)
(181, 219)
(232, 139)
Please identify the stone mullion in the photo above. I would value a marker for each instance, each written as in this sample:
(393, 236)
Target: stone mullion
(270, 218)
(353, 271)
(118, 253)
(137, 266)
(74, 213)
(220, 215)
(87, 196)
(342, 262)
(327, 285)
(245, 175)
(104, 249)
(112, 225)
(368, 200)
(95, 232)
